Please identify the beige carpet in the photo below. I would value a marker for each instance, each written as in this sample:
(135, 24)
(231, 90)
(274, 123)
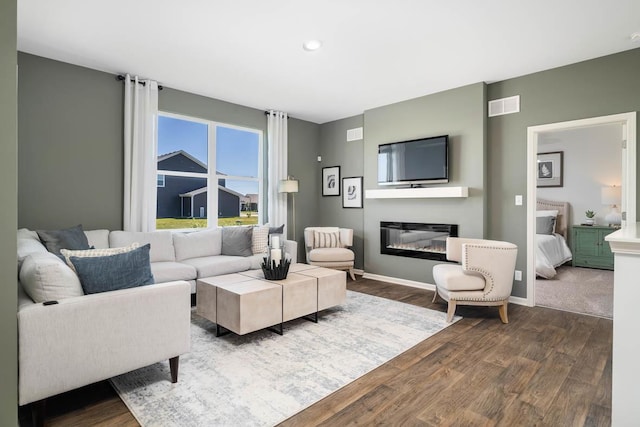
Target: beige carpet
(579, 290)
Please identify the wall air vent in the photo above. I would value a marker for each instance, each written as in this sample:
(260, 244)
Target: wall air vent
(354, 134)
(500, 107)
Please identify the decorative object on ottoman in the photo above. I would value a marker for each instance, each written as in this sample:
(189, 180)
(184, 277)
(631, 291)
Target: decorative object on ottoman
(275, 265)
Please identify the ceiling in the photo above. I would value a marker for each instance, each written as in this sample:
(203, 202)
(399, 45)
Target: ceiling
(250, 52)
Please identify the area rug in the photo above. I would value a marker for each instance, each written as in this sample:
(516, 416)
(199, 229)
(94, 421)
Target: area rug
(579, 290)
(262, 378)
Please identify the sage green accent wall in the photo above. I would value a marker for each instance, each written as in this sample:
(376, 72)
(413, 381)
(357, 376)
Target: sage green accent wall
(8, 215)
(459, 113)
(304, 145)
(336, 151)
(70, 167)
(599, 87)
(189, 104)
(70, 150)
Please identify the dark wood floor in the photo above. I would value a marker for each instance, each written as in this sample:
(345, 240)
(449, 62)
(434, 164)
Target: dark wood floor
(544, 368)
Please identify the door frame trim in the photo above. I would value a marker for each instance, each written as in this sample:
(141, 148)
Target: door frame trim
(628, 122)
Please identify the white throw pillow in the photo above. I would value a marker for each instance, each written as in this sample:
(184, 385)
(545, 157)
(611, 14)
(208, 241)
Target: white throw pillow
(92, 253)
(45, 277)
(326, 240)
(28, 243)
(553, 213)
(260, 239)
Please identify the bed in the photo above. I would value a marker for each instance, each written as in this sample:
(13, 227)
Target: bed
(552, 249)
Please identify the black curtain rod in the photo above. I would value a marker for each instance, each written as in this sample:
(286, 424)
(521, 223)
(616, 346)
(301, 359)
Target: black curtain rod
(266, 113)
(121, 78)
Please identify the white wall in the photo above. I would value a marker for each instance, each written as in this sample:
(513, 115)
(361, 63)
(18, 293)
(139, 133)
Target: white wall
(592, 159)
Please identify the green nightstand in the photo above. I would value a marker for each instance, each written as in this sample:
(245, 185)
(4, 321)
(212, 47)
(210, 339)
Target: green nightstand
(589, 247)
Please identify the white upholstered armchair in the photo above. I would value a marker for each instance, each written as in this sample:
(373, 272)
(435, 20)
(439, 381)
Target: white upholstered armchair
(329, 247)
(484, 277)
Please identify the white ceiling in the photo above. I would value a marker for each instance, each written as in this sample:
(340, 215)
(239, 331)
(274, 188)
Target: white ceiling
(375, 53)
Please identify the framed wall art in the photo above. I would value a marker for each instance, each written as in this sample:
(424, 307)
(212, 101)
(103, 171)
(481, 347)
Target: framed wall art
(550, 169)
(352, 192)
(331, 181)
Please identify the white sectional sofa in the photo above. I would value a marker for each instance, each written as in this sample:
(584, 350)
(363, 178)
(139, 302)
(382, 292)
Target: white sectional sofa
(81, 339)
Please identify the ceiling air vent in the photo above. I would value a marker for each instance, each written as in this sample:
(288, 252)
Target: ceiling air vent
(499, 107)
(354, 134)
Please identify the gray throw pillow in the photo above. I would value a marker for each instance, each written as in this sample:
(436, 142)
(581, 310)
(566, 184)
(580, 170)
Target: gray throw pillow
(236, 241)
(545, 224)
(113, 272)
(276, 230)
(69, 238)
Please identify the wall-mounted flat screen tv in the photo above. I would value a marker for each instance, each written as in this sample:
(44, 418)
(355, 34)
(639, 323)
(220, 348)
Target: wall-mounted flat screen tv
(419, 161)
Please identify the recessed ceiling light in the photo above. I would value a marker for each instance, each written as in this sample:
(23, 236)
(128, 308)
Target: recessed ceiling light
(635, 37)
(312, 45)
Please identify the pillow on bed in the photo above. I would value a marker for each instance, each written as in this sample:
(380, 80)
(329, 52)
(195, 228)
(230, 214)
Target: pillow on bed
(545, 224)
(553, 213)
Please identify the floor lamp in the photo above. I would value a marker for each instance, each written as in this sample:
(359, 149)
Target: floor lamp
(290, 185)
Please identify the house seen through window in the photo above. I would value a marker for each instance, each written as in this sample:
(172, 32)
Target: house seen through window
(186, 149)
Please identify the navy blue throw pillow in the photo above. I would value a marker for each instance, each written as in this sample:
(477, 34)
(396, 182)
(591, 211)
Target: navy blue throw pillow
(113, 272)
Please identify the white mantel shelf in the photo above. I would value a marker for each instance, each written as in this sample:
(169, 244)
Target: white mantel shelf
(417, 193)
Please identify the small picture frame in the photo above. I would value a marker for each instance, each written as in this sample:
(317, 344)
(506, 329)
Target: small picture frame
(331, 181)
(352, 192)
(550, 169)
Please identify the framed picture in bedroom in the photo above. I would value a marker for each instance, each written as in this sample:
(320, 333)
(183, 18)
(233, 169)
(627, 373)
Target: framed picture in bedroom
(550, 169)
(331, 181)
(352, 192)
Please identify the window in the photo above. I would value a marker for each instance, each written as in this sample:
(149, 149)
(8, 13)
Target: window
(186, 148)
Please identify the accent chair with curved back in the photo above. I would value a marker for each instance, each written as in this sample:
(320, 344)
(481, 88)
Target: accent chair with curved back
(484, 277)
(329, 247)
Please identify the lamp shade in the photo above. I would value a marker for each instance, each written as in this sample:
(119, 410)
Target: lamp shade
(611, 195)
(288, 186)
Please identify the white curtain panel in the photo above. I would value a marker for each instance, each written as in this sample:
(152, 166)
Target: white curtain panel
(277, 146)
(140, 162)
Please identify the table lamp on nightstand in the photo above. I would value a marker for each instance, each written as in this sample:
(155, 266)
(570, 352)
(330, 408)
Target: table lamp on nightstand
(612, 196)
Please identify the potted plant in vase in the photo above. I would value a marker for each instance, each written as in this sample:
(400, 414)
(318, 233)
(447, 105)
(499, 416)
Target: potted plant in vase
(590, 218)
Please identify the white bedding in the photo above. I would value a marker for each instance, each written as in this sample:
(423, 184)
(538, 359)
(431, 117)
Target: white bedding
(551, 251)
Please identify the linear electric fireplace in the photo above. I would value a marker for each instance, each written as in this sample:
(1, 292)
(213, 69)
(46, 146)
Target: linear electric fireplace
(416, 240)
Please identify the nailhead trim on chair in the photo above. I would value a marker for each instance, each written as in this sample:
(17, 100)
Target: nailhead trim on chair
(484, 273)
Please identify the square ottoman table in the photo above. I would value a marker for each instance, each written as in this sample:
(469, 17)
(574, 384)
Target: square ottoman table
(332, 285)
(238, 303)
(299, 294)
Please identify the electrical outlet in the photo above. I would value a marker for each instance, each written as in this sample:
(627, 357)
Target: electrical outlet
(518, 275)
(319, 158)
(519, 200)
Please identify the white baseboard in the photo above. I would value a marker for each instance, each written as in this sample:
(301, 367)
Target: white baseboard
(398, 281)
(519, 300)
(427, 286)
(358, 272)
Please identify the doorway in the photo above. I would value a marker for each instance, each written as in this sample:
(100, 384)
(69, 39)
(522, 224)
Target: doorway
(536, 136)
